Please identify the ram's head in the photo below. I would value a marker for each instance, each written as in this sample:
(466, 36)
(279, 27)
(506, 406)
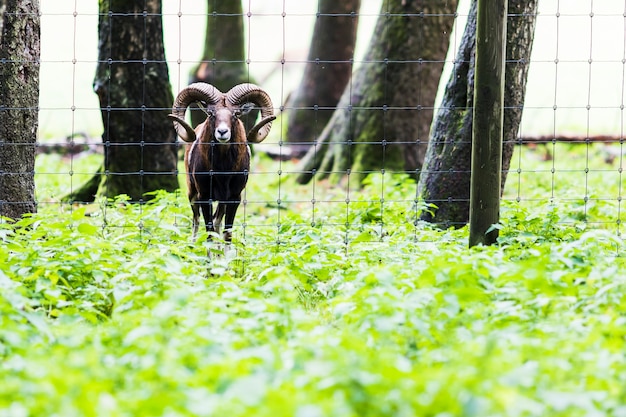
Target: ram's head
(223, 111)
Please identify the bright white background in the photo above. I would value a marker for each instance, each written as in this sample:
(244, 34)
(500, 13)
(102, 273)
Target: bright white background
(586, 85)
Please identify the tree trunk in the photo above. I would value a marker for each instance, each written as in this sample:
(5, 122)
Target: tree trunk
(19, 100)
(132, 83)
(445, 179)
(327, 72)
(223, 61)
(383, 118)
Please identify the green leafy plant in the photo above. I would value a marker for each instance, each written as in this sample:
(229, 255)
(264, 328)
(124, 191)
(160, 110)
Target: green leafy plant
(330, 307)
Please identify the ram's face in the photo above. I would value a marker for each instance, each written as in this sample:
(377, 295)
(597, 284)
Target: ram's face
(223, 119)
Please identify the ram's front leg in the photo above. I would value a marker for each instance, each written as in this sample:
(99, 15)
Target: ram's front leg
(218, 217)
(192, 194)
(230, 212)
(220, 212)
(207, 214)
(195, 208)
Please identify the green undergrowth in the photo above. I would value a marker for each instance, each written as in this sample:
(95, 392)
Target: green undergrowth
(340, 309)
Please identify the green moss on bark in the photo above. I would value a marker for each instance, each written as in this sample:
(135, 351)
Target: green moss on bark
(391, 97)
(445, 180)
(132, 83)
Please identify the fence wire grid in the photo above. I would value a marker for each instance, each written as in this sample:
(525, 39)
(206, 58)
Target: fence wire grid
(572, 131)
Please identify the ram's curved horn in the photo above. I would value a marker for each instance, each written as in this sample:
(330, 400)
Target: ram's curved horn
(250, 93)
(192, 93)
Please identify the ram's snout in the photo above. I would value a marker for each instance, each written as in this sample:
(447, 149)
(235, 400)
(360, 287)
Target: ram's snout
(223, 120)
(222, 133)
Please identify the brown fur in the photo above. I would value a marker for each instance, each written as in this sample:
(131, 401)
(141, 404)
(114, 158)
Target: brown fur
(209, 164)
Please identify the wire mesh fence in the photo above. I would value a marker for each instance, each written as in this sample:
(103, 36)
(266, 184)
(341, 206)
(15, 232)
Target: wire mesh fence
(569, 152)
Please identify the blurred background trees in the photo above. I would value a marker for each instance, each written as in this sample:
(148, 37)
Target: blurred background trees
(373, 115)
(135, 95)
(326, 74)
(383, 117)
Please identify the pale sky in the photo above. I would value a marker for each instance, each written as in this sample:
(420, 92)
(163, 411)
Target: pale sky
(587, 95)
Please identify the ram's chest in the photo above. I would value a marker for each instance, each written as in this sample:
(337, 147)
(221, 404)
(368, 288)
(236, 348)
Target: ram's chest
(219, 169)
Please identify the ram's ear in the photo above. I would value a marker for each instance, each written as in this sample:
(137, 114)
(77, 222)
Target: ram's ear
(243, 110)
(246, 108)
(206, 108)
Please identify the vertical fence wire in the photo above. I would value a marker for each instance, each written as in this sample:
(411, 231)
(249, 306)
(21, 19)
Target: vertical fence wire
(73, 107)
(588, 114)
(621, 136)
(555, 106)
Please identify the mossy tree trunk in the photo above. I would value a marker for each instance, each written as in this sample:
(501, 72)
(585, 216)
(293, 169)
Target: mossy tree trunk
(326, 74)
(19, 100)
(223, 62)
(445, 179)
(132, 84)
(383, 117)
